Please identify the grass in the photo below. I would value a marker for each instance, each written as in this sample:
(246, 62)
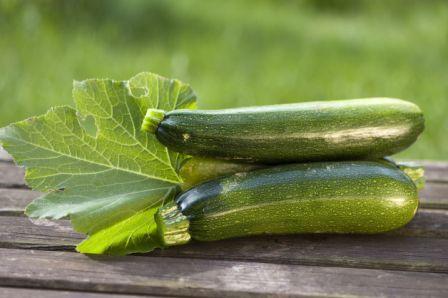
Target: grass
(233, 53)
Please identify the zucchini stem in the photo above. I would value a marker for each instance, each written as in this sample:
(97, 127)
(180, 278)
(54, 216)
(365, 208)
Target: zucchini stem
(152, 120)
(172, 225)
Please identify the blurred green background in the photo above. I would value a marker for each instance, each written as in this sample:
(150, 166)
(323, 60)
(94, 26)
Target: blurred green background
(233, 53)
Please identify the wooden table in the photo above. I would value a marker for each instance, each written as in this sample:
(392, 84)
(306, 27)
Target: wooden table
(39, 260)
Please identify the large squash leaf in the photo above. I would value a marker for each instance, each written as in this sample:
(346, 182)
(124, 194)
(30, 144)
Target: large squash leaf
(107, 176)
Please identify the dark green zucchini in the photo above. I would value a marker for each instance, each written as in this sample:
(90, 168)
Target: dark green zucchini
(326, 197)
(310, 131)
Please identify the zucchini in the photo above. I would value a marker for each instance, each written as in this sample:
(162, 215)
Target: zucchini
(324, 197)
(196, 170)
(310, 131)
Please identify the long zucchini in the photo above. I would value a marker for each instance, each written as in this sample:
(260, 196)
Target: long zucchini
(310, 131)
(326, 197)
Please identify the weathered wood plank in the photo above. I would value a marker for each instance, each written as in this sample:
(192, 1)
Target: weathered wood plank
(373, 252)
(434, 195)
(4, 156)
(21, 232)
(427, 223)
(14, 201)
(197, 277)
(11, 176)
(41, 293)
(402, 250)
(435, 171)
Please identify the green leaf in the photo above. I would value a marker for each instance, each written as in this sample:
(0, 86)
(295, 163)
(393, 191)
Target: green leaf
(102, 179)
(136, 234)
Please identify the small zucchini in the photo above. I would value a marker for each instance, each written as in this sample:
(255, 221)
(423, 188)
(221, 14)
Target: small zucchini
(310, 131)
(324, 197)
(196, 170)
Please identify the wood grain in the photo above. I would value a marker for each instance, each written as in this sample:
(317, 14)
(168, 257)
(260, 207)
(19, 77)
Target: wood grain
(435, 171)
(426, 223)
(374, 252)
(11, 176)
(197, 277)
(400, 250)
(14, 201)
(40, 293)
(22, 232)
(434, 195)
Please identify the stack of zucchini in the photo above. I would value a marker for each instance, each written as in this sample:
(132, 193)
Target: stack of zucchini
(314, 167)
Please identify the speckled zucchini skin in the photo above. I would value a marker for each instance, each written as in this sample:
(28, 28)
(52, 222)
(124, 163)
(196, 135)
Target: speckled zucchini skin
(311, 131)
(327, 197)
